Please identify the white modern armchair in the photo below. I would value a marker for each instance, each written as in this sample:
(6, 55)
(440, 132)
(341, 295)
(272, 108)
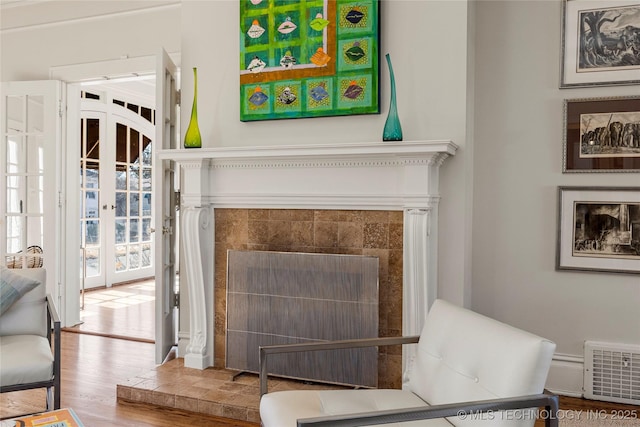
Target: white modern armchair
(29, 334)
(469, 370)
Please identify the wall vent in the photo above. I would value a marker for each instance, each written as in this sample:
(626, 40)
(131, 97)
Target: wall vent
(612, 372)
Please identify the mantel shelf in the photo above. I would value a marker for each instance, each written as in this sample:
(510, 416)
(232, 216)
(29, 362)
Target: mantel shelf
(361, 149)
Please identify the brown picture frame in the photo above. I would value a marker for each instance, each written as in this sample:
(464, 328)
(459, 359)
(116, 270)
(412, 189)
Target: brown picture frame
(601, 135)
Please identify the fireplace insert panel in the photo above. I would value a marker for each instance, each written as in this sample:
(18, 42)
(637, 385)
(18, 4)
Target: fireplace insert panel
(285, 297)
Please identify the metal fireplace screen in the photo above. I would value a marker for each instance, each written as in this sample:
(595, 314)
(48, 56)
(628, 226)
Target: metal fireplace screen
(284, 298)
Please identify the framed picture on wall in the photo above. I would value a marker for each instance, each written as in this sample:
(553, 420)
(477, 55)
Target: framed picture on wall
(308, 58)
(599, 229)
(601, 135)
(600, 43)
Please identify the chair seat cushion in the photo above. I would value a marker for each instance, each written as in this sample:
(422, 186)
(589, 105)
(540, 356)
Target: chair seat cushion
(25, 359)
(284, 408)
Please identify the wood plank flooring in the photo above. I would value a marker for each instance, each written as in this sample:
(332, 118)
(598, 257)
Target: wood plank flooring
(121, 311)
(91, 368)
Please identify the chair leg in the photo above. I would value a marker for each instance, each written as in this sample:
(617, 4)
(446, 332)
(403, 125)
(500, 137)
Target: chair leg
(50, 399)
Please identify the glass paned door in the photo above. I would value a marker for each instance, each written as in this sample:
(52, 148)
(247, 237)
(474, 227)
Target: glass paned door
(24, 175)
(31, 194)
(133, 196)
(92, 205)
(116, 168)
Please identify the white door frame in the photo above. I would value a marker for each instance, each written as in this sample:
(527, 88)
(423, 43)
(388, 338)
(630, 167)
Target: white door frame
(74, 75)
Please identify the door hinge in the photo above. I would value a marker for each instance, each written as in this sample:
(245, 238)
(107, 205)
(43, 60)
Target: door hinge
(178, 97)
(60, 110)
(60, 199)
(177, 200)
(176, 300)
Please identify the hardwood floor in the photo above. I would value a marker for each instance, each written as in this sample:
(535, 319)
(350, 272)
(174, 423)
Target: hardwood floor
(91, 368)
(122, 311)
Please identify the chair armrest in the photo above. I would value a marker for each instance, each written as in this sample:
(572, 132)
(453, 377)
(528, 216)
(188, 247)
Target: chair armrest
(325, 345)
(53, 322)
(470, 409)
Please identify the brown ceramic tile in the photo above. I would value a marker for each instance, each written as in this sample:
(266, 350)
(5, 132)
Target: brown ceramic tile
(350, 235)
(257, 214)
(142, 396)
(376, 235)
(330, 215)
(396, 217)
(167, 400)
(187, 403)
(258, 232)
(253, 416)
(280, 233)
(123, 392)
(326, 234)
(230, 213)
(302, 233)
(256, 247)
(395, 265)
(279, 214)
(209, 408)
(376, 216)
(396, 236)
(302, 215)
(234, 412)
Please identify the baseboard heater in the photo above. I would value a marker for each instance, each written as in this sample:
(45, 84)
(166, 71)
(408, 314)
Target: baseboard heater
(284, 298)
(612, 372)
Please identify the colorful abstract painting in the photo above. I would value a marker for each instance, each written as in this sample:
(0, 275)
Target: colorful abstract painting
(308, 58)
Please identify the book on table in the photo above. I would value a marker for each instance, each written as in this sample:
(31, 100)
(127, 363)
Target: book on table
(65, 417)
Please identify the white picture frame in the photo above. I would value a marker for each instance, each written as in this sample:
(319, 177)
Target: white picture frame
(601, 60)
(599, 229)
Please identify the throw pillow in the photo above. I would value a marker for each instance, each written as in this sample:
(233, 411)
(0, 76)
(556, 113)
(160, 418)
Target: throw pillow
(13, 286)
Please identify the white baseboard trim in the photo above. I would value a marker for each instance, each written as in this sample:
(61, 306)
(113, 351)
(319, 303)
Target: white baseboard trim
(566, 375)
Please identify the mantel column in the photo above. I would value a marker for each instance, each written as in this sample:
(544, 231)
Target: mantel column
(197, 262)
(420, 250)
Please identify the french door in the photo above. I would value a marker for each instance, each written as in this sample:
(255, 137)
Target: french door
(31, 190)
(116, 190)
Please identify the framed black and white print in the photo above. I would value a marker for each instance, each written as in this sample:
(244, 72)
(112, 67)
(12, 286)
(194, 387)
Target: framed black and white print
(599, 229)
(601, 135)
(600, 43)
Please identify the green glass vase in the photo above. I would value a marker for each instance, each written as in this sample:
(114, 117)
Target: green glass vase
(392, 128)
(192, 138)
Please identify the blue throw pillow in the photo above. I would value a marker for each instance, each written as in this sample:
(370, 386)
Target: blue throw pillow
(13, 287)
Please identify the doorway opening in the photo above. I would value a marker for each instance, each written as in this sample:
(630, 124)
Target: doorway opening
(117, 132)
(116, 167)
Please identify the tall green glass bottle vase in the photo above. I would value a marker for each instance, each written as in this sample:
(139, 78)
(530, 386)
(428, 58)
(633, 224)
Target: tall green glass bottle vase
(392, 128)
(192, 138)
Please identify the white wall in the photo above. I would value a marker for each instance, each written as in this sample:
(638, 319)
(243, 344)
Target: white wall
(35, 36)
(517, 169)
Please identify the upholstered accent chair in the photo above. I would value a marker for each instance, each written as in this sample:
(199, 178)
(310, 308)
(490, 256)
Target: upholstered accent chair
(29, 351)
(469, 370)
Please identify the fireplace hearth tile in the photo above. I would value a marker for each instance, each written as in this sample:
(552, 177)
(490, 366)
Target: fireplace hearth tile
(211, 391)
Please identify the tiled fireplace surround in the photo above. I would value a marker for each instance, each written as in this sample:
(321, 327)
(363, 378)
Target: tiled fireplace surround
(376, 199)
(355, 232)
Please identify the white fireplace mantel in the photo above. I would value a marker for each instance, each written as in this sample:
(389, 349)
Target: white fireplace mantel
(355, 176)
